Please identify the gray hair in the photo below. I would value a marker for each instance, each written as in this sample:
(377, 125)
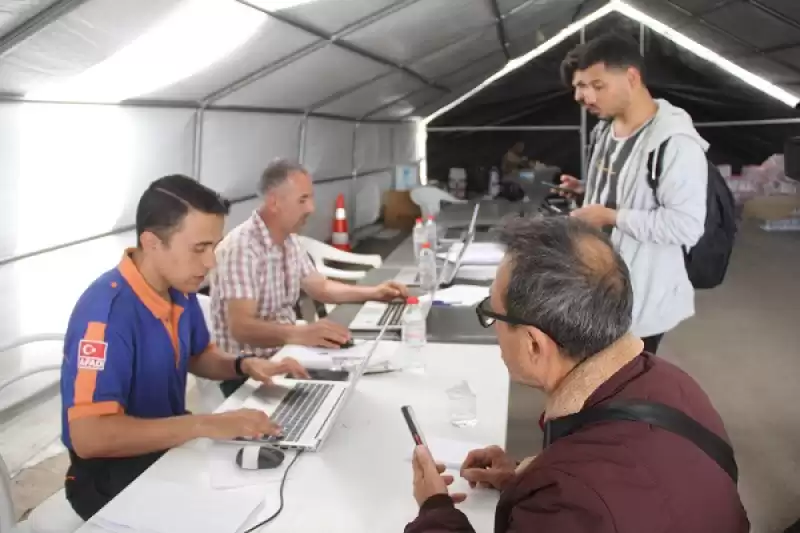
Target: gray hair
(567, 280)
(276, 174)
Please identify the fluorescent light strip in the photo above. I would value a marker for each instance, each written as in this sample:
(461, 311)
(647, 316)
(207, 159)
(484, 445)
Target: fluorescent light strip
(701, 51)
(195, 35)
(621, 7)
(514, 64)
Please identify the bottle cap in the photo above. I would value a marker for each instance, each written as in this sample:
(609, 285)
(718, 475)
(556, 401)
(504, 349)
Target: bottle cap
(419, 220)
(430, 217)
(412, 300)
(425, 244)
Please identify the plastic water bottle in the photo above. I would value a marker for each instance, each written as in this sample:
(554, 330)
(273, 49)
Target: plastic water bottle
(419, 235)
(426, 265)
(414, 334)
(433, 237)
(494, 183)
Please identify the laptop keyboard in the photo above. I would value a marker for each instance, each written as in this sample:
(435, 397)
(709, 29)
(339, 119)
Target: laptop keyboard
(296, 410)
(392, 314)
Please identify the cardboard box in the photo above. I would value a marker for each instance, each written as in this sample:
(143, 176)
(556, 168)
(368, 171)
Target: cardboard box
(771, 207)
(399, 211)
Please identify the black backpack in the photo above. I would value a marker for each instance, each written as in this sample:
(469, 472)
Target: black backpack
(707, 262)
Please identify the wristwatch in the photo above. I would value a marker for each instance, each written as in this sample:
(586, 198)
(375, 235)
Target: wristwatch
(237, 365)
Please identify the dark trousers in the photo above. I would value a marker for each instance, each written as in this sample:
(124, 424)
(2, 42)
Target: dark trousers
(92, 483)
(651, 343)
(230, 386)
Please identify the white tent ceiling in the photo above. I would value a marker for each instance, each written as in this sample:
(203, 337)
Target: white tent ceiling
(363, 59)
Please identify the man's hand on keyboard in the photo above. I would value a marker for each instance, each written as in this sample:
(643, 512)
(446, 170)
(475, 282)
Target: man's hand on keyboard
(322, 333)
(263, 369)
(248, 423)
(388, 291)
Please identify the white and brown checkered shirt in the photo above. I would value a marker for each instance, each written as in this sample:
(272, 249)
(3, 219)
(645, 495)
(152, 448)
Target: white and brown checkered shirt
(251, 266)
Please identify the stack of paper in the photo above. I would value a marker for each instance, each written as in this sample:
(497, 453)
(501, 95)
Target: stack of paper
(478, 253)
(156, 506)
(333, 358)
(462, 294)
(323, 358)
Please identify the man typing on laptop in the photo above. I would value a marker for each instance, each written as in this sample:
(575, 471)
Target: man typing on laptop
(261, 269)
(131, 339)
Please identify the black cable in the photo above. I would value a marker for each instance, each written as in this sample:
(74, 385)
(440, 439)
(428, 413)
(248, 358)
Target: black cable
(280, 507)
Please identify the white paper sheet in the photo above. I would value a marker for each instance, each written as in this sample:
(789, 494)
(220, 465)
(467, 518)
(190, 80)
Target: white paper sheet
(226, 474)
(322, 358)
(167, 507)
(326, 358)
(462, 294)
(449, 452)
(478, 253)
(477, 272)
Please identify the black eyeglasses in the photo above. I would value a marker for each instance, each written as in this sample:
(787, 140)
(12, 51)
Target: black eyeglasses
(487, 317)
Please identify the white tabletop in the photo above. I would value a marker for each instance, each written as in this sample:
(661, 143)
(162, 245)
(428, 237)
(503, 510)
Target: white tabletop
(361, 479)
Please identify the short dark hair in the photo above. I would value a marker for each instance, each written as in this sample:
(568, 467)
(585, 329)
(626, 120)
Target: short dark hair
(167, 200)
(612, 49)
(277, 172)
(568, 280)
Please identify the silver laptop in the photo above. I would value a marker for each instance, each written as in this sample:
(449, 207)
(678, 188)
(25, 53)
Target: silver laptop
(375, 316)
(307, 409)
(409, 275)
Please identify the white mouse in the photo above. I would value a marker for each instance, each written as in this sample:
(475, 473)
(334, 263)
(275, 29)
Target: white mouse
(259, 457)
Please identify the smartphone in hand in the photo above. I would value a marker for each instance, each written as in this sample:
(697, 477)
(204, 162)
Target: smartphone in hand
(413, 425)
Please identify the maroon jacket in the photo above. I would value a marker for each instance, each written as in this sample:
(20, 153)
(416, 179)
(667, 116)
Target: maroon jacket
(620, 477)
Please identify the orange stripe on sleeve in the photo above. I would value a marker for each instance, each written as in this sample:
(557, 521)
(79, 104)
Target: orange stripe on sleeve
(94, 409)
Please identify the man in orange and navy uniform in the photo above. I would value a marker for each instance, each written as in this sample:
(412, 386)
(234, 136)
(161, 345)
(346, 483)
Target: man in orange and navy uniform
(132, 338)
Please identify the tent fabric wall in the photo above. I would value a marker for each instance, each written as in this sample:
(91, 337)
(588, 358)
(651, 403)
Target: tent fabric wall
(72, 171)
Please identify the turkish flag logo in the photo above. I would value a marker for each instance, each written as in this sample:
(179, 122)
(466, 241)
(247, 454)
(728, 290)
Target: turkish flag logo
(92, 355)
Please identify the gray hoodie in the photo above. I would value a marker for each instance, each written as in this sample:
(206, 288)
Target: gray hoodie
(650, 235)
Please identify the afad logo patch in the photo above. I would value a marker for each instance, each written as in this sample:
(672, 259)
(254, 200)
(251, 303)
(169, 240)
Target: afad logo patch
(92, 355)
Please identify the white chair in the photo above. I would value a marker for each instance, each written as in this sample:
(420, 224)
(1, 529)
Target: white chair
(320, 252)
(54, 515)
(211, 395)
(429, 200)
(7, 522)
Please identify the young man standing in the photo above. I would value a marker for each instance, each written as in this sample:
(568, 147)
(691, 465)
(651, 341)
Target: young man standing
(649, 229)
(261, 269)
(133, 336)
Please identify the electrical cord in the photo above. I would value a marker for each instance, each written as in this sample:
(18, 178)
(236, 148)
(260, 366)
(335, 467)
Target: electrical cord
(280, 507)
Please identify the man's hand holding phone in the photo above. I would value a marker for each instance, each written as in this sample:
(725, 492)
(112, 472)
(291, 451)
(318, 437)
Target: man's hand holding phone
(570, 187)
(428, 478)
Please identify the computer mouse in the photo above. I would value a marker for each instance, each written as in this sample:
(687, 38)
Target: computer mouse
(259, 457)
(349, 343)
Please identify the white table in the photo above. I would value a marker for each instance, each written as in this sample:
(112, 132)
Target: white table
(361, 479)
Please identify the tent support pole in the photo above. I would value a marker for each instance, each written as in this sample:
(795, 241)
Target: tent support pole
(642, 30)
(301, 148)
(584, 129)
(197, 155)
(503, 128)
(36, 23)
(764, 122)
(354, 180)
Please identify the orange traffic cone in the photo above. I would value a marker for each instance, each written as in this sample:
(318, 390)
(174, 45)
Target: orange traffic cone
(340, 238)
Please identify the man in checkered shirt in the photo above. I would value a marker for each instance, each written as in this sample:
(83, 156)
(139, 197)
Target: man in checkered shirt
(261, 269)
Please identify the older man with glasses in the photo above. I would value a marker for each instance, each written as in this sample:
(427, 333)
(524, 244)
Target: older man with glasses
(632, 443)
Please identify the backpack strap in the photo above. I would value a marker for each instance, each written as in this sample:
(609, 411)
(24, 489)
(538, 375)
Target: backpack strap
(655, 414)
(654, 174)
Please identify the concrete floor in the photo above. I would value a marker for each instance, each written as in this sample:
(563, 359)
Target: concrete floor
(743, 346)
